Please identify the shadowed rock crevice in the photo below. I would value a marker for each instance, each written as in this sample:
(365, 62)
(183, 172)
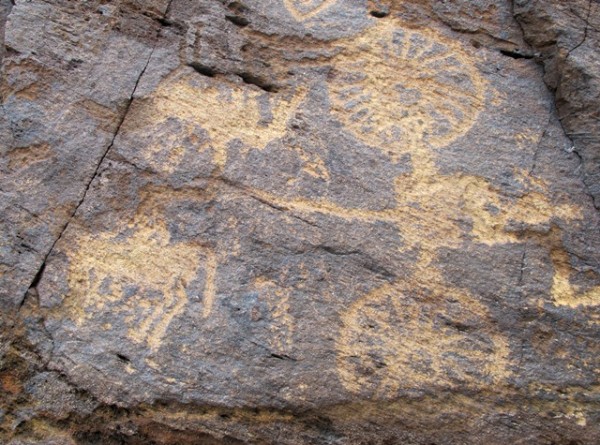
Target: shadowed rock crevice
(567, 47)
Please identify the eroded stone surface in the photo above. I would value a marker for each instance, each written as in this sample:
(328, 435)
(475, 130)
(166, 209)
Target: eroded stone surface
(307, 222)
(63, 101)
(566, 36)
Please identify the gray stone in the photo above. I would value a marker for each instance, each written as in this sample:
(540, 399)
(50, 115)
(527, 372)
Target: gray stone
(297, 222)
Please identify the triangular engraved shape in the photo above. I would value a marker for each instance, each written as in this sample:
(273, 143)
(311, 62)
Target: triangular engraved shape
(305, 9)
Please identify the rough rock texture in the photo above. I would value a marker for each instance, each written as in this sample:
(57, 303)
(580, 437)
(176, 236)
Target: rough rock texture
(289, 222)
(566, 37)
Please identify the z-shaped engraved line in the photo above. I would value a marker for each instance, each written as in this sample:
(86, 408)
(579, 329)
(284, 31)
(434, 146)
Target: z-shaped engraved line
(301, 17)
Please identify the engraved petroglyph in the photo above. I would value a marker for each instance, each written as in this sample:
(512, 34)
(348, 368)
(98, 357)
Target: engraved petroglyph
(395, 88)
(312, 164)
(305, 9)
(139, 272)
(403, 92)
(563, 292)
(225, 111)
(436, 100)
(23, 157)
(404, 335)
(430, 211)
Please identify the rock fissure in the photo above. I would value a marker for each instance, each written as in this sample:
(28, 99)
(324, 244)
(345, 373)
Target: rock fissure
(516, 54)
(586, 20)
(553, 90)
(40, 271)
(573, 150)
(98, 168)
(540, 142)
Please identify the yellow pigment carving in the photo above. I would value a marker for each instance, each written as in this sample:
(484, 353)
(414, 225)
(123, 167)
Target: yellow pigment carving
(404, 114)
(139, 272)
(305, 9)
(226, 111)
(404, 92)
(563, 292)
(396, 88)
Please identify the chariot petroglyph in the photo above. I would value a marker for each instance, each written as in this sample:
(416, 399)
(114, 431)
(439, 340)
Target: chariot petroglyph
(402, 92)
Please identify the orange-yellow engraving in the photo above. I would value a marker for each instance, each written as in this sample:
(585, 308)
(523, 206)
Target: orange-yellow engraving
(139, 272)
(395, 88)
(226, 111)
(305, 9)
(404, 335)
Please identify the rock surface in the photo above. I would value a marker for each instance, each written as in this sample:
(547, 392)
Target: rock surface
(289, 222)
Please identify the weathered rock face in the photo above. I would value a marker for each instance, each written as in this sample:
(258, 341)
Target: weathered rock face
(566, 36)
(294, 222)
